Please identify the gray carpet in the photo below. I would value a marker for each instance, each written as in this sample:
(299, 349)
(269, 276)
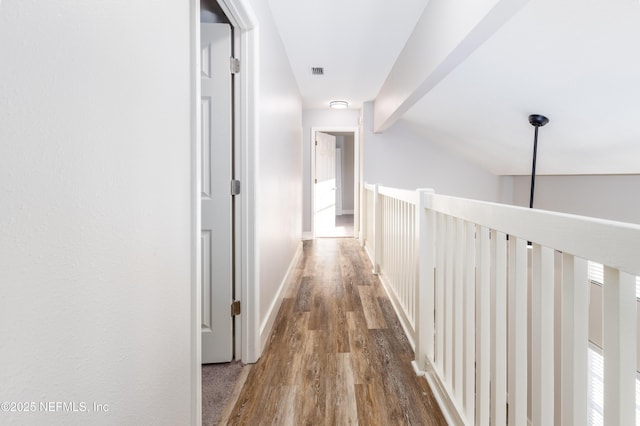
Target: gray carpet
(218, 382)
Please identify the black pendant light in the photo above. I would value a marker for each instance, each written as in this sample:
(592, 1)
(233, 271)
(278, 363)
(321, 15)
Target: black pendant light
(536, 121)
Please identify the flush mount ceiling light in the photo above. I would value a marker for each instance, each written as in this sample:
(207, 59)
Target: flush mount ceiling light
(339, 104)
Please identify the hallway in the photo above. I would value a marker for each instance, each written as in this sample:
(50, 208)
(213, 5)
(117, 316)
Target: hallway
(338, 354)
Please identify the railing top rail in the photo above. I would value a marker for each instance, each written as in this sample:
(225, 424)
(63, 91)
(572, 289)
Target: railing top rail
(408, 195)
(615, 244)
(399, 194)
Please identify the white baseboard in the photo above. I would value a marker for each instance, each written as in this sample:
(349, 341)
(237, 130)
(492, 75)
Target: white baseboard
(448, 407)
(395, 302)
(307, 235)
(267, 325)
(366, 250)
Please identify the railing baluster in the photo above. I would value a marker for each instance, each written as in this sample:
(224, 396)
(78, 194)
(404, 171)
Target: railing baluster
(575, 340)
(401, 254)
(483, 332)
(377, 229)
(370, 224)
(402, 276)
(518, 351)
(397, 252)
(619, 351)
(395, 233)
(400, 250)
(364, 215)
(448, 300)
(411, 261)
(499, 328)
(414, 257)
(458, 312)
(389, 242)
(387, 246)
(542, 335)
(440, 284)
(470, 321)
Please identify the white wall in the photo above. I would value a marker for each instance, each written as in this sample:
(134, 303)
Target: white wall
(319, 118)
(95, 226)
(400, 158)
(279, 166)
(605, 196)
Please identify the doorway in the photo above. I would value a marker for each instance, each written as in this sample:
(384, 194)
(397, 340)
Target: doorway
(245, 332)
(335, 179)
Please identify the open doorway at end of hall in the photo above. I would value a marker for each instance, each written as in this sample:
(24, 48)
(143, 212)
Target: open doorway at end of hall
(334, 190)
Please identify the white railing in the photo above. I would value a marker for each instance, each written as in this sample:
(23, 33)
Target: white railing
(394, 253)
(501, 328)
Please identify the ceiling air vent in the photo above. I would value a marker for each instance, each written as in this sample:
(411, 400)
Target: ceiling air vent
(317, 71)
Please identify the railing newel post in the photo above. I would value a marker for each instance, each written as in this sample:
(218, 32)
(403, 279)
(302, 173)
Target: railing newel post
(424, 298)
(619, 330)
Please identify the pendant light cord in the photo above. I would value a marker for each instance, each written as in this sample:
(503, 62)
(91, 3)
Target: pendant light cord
(533, 169)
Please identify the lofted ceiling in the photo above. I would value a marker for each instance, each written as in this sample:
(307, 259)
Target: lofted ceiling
(355, 41)
(577, 62)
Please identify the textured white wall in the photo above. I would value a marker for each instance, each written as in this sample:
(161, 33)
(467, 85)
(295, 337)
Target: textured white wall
(95, 271)
(605, 196)
(325, 118)
(400, 158)
(279, 168)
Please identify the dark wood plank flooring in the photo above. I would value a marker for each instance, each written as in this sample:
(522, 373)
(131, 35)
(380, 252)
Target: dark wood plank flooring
(337, 354)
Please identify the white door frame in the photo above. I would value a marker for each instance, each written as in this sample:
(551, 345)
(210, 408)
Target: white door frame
(247, 334)
(246, 133)
(357, 172)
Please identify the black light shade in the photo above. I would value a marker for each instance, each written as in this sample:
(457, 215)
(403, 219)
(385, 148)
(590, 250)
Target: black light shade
(536, 120)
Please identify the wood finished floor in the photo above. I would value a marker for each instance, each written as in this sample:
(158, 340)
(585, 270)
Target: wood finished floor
(337, 354)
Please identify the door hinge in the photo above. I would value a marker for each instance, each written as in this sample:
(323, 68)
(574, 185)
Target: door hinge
(316, 143)
(235, 65)
(235, 187)
(235, 308)
(316, 181)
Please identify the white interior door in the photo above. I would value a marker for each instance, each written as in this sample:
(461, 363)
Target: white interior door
(325, 185)
(338, 182)
(216, 240)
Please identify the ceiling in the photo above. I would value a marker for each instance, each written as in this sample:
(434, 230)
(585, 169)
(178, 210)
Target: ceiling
(577, 62)
(356, 41)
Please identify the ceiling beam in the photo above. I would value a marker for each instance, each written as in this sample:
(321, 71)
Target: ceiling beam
(446, 34)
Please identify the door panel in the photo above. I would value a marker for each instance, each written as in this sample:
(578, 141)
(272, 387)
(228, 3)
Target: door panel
(325, 185)
(338, 182)
(217, 326)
